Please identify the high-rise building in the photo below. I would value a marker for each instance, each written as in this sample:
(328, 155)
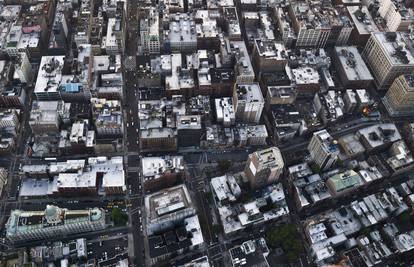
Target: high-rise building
(52, 222)
(396, 15)
(323, 149)
(389, 55)
(399, 99)
(248, 102)
(264, 167)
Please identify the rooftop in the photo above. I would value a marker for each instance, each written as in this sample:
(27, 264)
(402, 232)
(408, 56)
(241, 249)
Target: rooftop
(249, 93)
(353, 64)
(50, 74)
(23, 221)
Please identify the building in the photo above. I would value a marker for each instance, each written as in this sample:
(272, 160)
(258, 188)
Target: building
(168, 207)
(250, 135)
(158, 139)
(225, 189)
(268, 206)
(329, 106)
(317, 25)
(108, 117)
(378, 137)
(74, 249)
(189, 130)
(250, 253)
(389, 55)
(269, 56)
(225, 111)
(116, 31)
(264, 167)
(396, 15)
(3, 179)
(344, 183)
(161, 172)
(243, 68)
(248, 102)
(306, 80)
(99, 175)
(25, 226)
(352, 71)
(49, 78)
(401, 159)
(280, 95)
(47, 116)
(399, 99)
(323, 149)
(181, 34)
(364, 24)
(149, 29)
(185, 237)
(350, 101)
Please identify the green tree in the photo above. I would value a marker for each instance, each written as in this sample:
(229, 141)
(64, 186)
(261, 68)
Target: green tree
(404, 217)
(217, 228)
(224, 165)
(315, 168)
(118, 217)
(286, 237)
(209, 196)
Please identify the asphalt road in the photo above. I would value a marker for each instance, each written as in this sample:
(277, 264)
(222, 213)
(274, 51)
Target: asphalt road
(132, 138)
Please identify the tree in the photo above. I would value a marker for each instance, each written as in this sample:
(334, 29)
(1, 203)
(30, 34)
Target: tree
(209, 196)
(288, 238)
(224, 165)
(315, 168)
(118, 217)
(217, 228)
(404, 217)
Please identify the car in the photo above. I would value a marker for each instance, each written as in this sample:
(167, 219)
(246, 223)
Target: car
(127, 124)
(132, 123)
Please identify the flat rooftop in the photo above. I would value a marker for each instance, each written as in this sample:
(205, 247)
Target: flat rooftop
(353, 64)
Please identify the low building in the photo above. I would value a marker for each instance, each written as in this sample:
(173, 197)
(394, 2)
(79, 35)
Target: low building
(47, 116)
(401, 159)
(225, 111)
(352, 71)
(250, 135)
(54, 222)
(161, 172)
(108, 118)
(378, 137)
(158, 139)
(266, 207)
(75, 177)
(344, 183)
(3, 179)
(167, 207)
(184, 237)
(225, 189)
(189, 130)
(250, 253)
(269, 56)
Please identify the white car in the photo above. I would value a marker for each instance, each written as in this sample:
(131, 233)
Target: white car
(132, 123)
